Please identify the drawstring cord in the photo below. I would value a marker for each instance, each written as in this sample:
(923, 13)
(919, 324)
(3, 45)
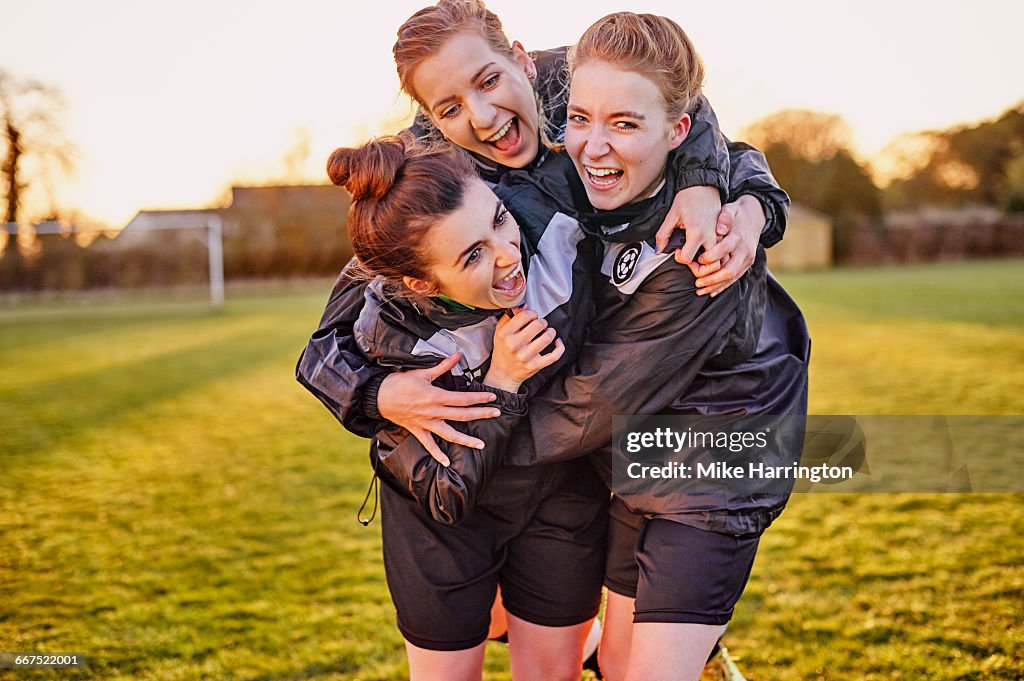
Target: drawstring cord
(376, 497)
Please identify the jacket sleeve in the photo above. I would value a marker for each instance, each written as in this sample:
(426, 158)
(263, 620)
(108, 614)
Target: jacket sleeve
(636, 360)
(449, 493)
(751, 175)
(702, 160)
(332, 366)
(748, 173)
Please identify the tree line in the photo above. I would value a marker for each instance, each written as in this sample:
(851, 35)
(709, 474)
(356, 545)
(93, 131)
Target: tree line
(811, 154)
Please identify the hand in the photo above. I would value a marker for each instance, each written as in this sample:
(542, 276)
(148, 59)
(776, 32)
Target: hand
(694, 210)
(410, 400)
(518, 343)
(739, 225)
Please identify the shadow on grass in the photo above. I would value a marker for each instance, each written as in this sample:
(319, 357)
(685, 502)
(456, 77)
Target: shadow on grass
(342, 665)
(42, 415)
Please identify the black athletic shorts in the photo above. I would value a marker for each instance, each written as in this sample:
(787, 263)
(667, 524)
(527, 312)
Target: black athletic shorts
(676, 573)
(538, 532)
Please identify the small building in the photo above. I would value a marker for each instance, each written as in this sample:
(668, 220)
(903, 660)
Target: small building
(807, 244)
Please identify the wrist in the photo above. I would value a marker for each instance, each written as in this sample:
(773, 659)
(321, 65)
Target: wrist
(496, 380)
(370, 401)
(753, 213)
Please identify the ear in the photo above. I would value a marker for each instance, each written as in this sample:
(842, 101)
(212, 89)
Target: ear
(522, 58)
(679, 130)
(419, 286)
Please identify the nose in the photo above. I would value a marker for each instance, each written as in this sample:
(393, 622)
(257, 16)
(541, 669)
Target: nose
(508, 253)
(597, 143)
(481, 113)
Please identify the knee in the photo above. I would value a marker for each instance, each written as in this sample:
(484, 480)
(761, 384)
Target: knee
(563, 670)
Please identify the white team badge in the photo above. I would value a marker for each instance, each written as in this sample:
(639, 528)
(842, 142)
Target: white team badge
(626, 263)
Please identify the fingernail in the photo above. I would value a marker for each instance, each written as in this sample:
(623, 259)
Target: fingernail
(495, 413)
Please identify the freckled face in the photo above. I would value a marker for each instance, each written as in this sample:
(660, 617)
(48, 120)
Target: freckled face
(481, 100)
(619, 134)
(474, 253)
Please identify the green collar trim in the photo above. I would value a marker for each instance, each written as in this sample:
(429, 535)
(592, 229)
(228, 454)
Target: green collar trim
(454, 304)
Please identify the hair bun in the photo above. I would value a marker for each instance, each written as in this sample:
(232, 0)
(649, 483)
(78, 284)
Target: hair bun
(369, 171)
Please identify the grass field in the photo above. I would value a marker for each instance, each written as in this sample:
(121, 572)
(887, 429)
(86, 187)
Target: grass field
(174, 506)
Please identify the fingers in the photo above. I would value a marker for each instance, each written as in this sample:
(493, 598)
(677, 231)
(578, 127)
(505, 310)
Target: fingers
(540, 342)
(689, 249)
(442, 367)
(446, 432)
(723, 248)
(552, 357)
(427, 440)
(517, 322)
(455, 398)
(664, 232)
(465, 414)
(520, 333)
(715, 290)
(699, 270)
(732, 269)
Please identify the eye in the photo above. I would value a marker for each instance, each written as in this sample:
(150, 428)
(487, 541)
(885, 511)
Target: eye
(451, 111)
(625, 125)
(491, 82)
(474, 256)
(578, 119)
(501, 218)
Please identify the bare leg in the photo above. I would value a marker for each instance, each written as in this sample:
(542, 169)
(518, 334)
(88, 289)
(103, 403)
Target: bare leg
(538, 653)
(671, 652)
(617, 636)
(499, 622)
(445, 665)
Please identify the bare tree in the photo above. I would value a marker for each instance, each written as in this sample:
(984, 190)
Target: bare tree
(35, 151)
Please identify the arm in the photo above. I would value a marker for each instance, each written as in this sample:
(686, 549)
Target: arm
(449, 493)
(695, 212)
(637, 360)
(364, 396)
(757, 214)
(332, 366)
(752, 177)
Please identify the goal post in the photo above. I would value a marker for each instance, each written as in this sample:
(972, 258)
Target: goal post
(152, 221)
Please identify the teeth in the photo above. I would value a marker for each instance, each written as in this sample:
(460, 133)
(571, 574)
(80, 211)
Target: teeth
(501, 133)
(601, 172)
(509, 278)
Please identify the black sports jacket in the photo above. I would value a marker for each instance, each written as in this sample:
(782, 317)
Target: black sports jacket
(658, 348)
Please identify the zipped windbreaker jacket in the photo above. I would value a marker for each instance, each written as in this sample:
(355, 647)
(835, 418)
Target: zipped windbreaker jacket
(658, 348)
(400, 331)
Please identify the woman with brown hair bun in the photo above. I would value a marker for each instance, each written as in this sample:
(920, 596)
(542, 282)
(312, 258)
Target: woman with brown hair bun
(453, 275)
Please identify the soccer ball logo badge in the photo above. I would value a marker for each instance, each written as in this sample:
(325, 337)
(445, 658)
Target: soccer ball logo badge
(626, 263)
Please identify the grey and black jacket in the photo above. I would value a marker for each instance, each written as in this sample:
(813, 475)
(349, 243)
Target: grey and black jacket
(657, 348)
(399, 331)
(332, 366)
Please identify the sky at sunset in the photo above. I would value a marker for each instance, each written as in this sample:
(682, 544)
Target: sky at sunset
(171, 103)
